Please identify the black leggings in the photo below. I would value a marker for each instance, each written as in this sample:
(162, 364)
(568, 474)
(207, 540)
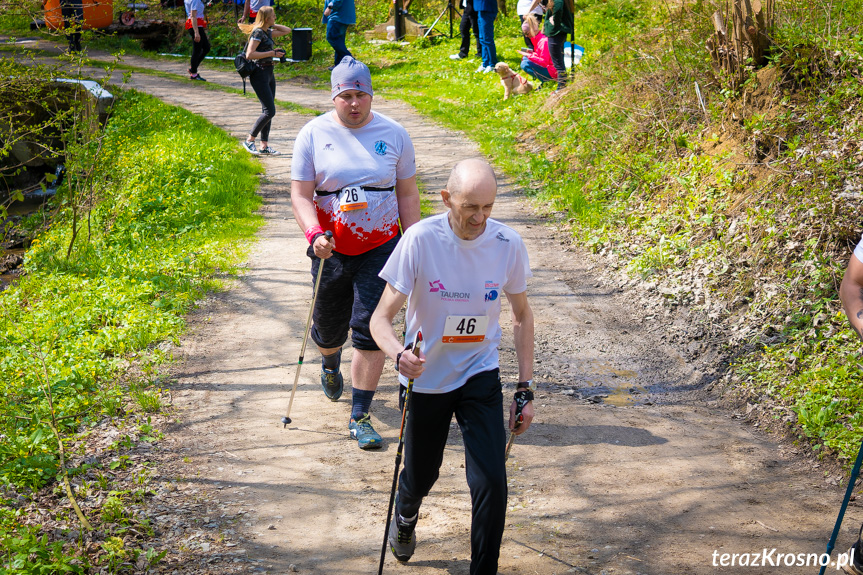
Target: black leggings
(199, 49)
(555, 47)
(264, 83)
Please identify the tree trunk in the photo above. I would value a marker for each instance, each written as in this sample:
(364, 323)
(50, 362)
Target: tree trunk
(746, 46)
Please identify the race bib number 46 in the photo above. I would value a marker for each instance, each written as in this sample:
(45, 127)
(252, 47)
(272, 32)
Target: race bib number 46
(352, 198)
(464, 328)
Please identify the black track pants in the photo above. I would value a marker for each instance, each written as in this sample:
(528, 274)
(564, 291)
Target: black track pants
(478, 408)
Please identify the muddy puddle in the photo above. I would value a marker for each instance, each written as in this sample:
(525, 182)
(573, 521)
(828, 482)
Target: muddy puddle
(614, 386)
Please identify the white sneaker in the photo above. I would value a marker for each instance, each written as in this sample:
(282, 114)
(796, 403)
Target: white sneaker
(456, 57)
(488, 69)
(480, 70)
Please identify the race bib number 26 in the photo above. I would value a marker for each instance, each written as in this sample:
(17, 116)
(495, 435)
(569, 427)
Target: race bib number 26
(352, 198)
(464, 328)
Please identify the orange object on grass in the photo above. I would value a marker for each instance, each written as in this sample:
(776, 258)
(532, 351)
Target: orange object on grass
(97, 14)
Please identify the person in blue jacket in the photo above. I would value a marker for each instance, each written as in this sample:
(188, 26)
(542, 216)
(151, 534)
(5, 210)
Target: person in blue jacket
(338, 15)
(486, 11)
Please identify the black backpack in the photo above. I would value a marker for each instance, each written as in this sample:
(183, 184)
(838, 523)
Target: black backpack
(244, 67)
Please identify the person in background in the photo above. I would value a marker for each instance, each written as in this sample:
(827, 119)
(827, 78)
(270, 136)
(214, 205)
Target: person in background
(851, 295)
(486, 11)
(73, 18)
(558, 23)
(338, 15)
(521, 10)
(196, 24)
(537, 61)
(262, 50)
(468, 23)
(250, 10)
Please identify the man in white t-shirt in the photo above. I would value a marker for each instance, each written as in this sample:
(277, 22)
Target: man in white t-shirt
(453, 270)
(353, 173)
(851, 294)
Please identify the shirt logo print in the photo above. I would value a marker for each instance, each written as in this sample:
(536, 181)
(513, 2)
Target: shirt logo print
(501, 237)
(329, 147)
(436, 286)
(381, 148)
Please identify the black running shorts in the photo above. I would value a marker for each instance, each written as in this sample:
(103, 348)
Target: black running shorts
(348, 295)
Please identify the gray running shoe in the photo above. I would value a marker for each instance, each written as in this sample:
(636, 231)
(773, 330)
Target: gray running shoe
(332, 382)
(250, 146)
(402, 539)
(268, 151)
(364, 433)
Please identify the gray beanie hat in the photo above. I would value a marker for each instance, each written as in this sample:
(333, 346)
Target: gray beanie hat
(351, 74)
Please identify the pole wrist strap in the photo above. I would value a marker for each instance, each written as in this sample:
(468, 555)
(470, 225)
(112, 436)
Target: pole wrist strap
(521, 399)
(399, 354)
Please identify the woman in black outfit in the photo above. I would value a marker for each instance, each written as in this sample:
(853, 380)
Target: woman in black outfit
(559, 22)
(262, 50)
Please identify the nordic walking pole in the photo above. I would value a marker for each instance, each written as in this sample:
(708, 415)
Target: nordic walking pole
(287, 418)
(519, 405)
(415, 348)
(854, 473)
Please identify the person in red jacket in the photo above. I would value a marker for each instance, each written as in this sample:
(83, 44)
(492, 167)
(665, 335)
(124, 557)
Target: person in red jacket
(537, 62)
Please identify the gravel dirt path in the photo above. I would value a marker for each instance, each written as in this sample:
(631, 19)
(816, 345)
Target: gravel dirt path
(653, 478)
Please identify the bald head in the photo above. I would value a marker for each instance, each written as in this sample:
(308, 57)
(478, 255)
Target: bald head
(470, 174)
(470, 194)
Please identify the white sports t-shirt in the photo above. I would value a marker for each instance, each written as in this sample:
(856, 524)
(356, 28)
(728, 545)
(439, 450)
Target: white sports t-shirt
(445, 277)
(522, 6)
(197, 5)
(858, 250)
(335, 157)
(256, 5)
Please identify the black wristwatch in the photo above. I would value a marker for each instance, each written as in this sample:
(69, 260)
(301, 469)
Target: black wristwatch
(523, 396)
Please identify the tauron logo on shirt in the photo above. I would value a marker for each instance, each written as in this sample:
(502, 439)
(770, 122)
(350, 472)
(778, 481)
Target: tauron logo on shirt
(329, 147)
(438, 287)
(381, 148)
(501, 237)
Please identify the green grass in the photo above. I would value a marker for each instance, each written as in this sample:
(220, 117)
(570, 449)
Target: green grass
(172, 220)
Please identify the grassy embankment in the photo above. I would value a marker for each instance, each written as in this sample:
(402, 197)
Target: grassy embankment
(172, 221)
